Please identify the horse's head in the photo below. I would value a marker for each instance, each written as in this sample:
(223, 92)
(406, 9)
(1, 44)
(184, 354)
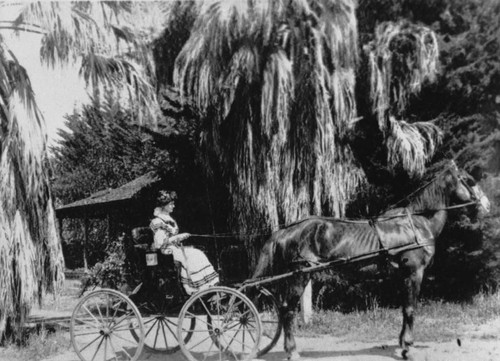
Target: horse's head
(464, 188)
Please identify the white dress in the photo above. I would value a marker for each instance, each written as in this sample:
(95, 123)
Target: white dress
(197, 272)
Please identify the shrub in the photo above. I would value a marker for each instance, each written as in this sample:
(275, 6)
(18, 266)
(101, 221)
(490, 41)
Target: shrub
(109, 273)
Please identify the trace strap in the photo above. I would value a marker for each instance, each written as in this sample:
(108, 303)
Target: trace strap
(331, 264)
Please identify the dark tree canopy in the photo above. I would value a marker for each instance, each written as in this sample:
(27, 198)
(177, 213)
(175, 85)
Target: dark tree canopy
(102, 147)
(438, 61)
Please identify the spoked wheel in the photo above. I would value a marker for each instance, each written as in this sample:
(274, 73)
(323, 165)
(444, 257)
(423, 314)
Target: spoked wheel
(270, 317)
(101, 326)
(161, 333)
(228, 326)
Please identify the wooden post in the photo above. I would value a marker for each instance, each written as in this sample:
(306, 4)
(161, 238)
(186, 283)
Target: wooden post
(306, 304)
(108, 228)
(85, 241)
(60, 230)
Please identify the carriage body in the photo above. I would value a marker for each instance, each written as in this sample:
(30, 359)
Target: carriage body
(212, 324)
(156, 277)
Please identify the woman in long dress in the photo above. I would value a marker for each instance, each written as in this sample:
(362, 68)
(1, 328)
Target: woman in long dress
(196, 270)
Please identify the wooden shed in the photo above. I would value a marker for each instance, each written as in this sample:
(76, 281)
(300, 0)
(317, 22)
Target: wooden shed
(122, 208)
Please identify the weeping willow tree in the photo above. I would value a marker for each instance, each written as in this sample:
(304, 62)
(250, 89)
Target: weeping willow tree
(30, 252)
(94, 34)
(274, 84)
(402, 57)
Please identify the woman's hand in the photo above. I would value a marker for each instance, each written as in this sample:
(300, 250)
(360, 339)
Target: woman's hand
(179, 238)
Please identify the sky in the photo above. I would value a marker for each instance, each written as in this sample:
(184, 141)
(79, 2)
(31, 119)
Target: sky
(57, 91)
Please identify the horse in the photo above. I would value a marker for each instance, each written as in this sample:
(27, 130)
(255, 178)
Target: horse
(406, 234)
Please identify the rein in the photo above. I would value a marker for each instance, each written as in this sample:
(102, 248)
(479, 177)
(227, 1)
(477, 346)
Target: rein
(359, 221)
(408, 197)
(343, 220)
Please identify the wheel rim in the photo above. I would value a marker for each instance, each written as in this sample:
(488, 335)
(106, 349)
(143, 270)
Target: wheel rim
(228, 326)
(270, 317)
(101, 326)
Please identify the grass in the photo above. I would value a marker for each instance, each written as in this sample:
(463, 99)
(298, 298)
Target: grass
(38, 346)
(43, 344)
(434, 321)
(67, 299)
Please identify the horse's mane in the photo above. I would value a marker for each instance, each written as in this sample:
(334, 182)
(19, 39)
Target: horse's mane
(432, 195)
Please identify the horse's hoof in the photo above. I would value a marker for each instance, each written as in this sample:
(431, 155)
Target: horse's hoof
(404, 354)
(410, 355)
(293, 356)
(405, 344)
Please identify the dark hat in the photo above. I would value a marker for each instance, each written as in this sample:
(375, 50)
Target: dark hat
(165, 197)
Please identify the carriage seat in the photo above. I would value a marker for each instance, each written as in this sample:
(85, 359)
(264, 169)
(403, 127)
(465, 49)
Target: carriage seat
(143, 241)
(142, 235)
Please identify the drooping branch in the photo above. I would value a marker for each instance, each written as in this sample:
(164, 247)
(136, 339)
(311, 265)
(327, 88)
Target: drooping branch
(411, 145)
(30, 252)
(109, 39)
(274, 83)
(402, 58)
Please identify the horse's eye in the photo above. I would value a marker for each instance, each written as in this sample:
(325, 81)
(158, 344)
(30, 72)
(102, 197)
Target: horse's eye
(469, 181)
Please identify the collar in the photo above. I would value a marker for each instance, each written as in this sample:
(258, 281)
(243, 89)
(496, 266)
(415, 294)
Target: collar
(162, 215)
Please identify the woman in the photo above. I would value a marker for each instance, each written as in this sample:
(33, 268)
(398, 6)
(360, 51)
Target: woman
(196, 270)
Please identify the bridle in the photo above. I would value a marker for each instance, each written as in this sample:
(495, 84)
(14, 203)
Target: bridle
(474, 199)
(465, 183)
(461, 178)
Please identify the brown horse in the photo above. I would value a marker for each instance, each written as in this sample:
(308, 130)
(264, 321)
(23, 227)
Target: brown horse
(319, 239)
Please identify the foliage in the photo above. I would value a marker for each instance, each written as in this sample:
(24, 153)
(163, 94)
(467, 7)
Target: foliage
(443, 320)
(102, 148)
(286, 150)
(273, 83)
(463, 102)
(401, 59)
(30, 252)
(107, 38)
(40, 344)
(109, 273)
(277, 105)
(72, 242)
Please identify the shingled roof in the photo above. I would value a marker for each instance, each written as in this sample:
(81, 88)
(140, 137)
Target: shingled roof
(129, 191)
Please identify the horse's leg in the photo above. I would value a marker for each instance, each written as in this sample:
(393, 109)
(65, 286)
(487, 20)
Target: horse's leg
(292, 292)
(411, 289)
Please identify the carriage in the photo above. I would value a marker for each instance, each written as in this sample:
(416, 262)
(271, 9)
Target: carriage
(221, 322)
(243, 321)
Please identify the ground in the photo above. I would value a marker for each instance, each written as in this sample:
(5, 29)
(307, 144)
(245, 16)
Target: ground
(481, 343)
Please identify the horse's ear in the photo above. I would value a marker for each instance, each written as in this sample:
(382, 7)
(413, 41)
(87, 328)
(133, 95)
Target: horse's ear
(450, 179)
(454, 166)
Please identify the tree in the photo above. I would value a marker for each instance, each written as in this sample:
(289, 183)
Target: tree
(30, 251)
(103, 147)
(275, 87)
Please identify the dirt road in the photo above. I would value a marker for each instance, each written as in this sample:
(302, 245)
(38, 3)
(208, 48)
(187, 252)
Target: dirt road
(479, 344)
(327, 348)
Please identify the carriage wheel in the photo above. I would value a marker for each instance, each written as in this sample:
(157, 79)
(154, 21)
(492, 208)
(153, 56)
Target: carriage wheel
(101, 326)
(270, 317)
(228, 326)
(161, 333)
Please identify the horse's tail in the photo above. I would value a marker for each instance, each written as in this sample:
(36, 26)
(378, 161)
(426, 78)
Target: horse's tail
(265, 263)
